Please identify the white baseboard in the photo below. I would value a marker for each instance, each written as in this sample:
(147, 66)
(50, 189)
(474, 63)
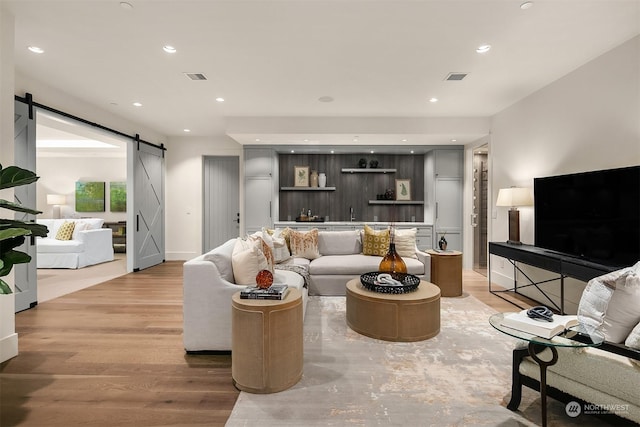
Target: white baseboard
(8, 347)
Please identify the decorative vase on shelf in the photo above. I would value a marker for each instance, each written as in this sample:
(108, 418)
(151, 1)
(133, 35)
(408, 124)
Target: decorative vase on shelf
(392, 262)
(362, 163)
(313, 179)
(322, 179)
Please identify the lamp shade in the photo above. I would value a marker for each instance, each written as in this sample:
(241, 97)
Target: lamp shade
(56, 199)
(514, 196)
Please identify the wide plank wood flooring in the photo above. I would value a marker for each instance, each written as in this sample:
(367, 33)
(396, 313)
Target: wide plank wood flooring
(112, 355)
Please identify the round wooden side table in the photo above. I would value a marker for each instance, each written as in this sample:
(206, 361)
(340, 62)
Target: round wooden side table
(446, 272)
(266, 346)
(414, 316)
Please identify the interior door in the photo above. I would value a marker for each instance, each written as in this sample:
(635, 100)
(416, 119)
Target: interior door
(147, 199)
(25, 275)
(221, 202)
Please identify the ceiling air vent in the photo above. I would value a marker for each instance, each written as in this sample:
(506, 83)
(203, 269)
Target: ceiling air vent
(456, 76)
(196, 76)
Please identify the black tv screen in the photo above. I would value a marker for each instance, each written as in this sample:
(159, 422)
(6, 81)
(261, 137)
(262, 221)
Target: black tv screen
(594, 216)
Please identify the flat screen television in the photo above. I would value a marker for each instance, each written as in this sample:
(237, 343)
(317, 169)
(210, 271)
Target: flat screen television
(594, 216)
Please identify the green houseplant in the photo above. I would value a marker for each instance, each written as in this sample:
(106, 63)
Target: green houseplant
(13, 232)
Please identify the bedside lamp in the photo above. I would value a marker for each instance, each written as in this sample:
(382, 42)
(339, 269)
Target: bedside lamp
(56, 200)
(514, 197)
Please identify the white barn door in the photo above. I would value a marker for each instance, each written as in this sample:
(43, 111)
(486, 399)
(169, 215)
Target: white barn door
(147, 199)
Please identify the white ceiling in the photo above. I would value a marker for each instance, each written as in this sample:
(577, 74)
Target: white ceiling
(381, 62)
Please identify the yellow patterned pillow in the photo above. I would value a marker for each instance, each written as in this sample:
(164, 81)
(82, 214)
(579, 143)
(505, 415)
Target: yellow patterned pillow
(65, 231)
(304, 244)
(375, 242)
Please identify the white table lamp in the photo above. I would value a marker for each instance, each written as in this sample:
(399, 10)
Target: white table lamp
(514, 197)
(56, 200)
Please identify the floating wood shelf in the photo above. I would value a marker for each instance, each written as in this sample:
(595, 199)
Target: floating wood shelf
(367, 170)
(307, 188)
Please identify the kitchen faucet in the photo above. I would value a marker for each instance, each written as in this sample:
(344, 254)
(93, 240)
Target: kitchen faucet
(352, 217)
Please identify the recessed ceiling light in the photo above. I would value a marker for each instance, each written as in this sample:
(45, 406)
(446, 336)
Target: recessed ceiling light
(371, 151)
(404, 140)
(306, 140)
(411, 151)
(169, 49)
(187, 130)
(453, 140)
(125, 5)
(333, 151)
(433, 100)
(293, 151)
(220, 99)
(35, 49)
(483, 48)
(257, 139)
(526, 5)
(137, 104)
(325, 99)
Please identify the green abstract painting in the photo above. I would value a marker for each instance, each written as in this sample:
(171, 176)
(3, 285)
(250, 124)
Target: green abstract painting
(89, 196)
(118, 196)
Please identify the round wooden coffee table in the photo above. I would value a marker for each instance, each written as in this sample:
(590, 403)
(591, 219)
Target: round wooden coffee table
(266, 346)
(414, 316)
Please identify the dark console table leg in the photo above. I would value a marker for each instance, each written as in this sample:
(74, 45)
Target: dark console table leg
(543, 374)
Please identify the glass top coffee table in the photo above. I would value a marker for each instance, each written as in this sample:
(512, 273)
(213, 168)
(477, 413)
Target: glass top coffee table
(577, 336)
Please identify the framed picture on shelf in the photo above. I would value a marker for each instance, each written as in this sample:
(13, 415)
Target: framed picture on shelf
(403, 189)
(301, 176)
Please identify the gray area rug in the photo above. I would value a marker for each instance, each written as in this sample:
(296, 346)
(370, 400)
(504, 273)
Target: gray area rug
(461, 377)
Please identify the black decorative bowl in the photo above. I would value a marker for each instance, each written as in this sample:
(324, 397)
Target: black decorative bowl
(409, 283)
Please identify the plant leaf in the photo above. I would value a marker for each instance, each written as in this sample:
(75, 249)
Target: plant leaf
(36, 229)
(13, 176)
(4, 287)
(10, 233)
(17, 208)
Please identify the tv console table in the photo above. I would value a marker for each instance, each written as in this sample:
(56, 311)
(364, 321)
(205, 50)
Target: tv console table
(556, 262)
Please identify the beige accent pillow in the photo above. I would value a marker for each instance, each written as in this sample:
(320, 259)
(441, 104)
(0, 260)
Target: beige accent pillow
(281, 251)
(405, 241)
(375, 242)
(304, 244)
(77, 228)
(247, 261)
(610, 302)
(267, 252)
(65, 232)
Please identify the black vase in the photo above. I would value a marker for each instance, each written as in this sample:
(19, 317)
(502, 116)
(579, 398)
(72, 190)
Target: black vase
(362, 163)
(442, 244)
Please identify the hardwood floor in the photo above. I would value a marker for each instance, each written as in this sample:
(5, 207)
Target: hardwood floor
(112, 355)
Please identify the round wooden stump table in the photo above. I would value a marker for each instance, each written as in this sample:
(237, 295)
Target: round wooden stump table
(266, 346)
(446, 272)
(414, 316)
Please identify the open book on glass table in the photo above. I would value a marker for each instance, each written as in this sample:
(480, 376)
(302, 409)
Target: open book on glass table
(539, 327)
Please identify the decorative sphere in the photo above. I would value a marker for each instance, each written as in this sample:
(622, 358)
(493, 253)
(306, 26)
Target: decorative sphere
(264, 279)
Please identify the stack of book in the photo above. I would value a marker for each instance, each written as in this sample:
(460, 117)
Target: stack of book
(274, 292)
(542, 328)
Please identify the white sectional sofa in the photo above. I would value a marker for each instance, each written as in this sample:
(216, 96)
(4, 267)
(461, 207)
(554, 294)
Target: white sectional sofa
(209, 282)
(90, 244)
